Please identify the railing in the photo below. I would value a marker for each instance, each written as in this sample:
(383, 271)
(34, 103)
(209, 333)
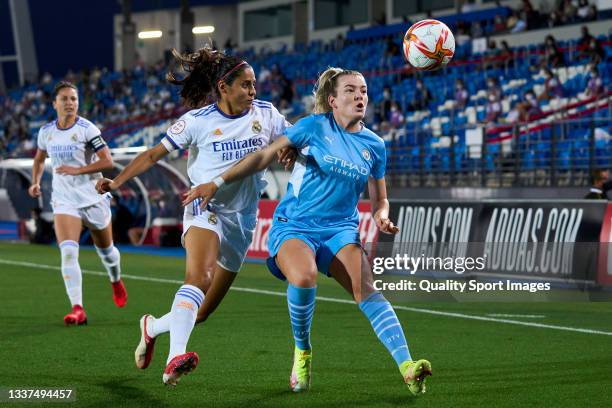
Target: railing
(557, 153)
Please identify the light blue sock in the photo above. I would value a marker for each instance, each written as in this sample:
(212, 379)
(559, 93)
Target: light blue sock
(301, 303)
(386, 326)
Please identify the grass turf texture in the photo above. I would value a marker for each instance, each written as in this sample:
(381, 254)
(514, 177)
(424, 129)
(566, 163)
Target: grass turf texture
(246, 348)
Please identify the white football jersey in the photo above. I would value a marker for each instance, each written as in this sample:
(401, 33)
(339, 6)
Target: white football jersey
(76, 147)
(217, 141)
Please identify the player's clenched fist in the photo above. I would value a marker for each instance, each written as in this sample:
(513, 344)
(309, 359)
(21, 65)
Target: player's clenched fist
(34, 190)
(104, 185)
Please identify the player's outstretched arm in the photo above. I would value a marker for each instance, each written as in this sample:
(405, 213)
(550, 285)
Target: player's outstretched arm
(105, 162)
(139, 165)
(38, 167)
(251, 164)
(380, 205)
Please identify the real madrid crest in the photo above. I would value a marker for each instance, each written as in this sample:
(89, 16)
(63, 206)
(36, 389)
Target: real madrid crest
(366, 154)
(256, 128)
(73, 137)
(212, 219)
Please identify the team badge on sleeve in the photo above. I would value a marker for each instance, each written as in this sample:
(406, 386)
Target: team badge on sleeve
(256, 128)
(366, 154)
(178, 127)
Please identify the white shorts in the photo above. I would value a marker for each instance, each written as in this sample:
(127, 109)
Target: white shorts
(96, 216)
(235, 232)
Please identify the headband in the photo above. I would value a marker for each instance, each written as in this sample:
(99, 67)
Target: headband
(241, 63)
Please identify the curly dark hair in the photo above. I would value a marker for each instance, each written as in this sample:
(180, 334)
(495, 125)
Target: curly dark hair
(205, 69)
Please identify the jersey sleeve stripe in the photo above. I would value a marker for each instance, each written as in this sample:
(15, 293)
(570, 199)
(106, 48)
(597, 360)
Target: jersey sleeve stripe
(172, 142)
(203, 111)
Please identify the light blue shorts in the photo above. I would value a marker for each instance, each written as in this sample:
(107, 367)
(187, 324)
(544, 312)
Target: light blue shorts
(324, 242)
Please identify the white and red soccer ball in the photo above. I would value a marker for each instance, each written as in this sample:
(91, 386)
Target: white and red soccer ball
(429, 45)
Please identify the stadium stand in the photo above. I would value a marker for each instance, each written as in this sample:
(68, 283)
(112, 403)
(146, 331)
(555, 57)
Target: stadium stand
(552, 140)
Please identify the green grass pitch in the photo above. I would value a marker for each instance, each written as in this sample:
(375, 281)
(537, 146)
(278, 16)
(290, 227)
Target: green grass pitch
(246, 347)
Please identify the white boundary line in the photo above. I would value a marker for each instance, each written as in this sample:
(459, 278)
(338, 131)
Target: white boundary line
(328, 299)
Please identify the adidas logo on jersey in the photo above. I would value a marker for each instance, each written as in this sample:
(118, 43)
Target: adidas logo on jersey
(217, 132)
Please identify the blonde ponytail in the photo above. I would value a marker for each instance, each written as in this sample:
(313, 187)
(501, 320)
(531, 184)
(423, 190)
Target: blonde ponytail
(326, 85)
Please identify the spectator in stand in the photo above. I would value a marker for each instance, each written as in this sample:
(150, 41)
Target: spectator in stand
(422, 96)
(476, 30)
(493, 107)
(592, 15)
(491, 57)
(585, 38)
(601, 185)
(385, 104)
(462, 35)
(530, 106)
(595, 86)
(461, 95)
(499, 26)
(568, 11)
(583, 10)
(506, 55)
(594, 52)
(555, 19)
(229, 44)
(517, 22)
(531, 15)
(553, 57)
(525, 109)
(552, 86)
(391, 50)
(493, 88)
(396, 119)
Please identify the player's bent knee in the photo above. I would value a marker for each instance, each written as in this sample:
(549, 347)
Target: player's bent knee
(302, 278)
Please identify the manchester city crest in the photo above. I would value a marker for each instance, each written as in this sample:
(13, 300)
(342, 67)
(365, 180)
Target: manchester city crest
(256, 128)
(366, 154)
(212, 219)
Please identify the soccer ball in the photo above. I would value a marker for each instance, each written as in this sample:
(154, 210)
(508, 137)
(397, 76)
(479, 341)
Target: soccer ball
(428, 45)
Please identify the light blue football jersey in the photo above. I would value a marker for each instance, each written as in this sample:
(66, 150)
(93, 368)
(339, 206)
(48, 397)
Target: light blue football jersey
(331, 173)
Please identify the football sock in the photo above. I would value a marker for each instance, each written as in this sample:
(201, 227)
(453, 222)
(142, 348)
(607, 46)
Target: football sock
(301, 303)
(386, 326)
(71, 271)
(187, 301)
(111, 260)
(160, 325)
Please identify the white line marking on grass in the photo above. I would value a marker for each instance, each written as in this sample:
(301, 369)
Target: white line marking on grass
(526, 316)
(332, 300)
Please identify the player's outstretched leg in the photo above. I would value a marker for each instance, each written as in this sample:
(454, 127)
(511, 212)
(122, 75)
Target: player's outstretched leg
(71, 272)
(301, 302)
(111, 259)
(187, 301)
(150, 328)
(387, 327)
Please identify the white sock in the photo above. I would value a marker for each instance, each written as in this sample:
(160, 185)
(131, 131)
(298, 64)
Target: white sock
(111, 259)
(187, 301)
(71, 271)
(160, 325)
